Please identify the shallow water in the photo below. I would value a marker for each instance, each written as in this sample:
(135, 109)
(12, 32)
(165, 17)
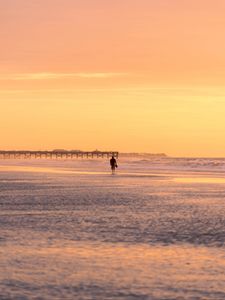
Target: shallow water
(71, 230)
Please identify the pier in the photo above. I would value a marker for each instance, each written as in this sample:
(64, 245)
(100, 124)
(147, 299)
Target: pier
(56, 154)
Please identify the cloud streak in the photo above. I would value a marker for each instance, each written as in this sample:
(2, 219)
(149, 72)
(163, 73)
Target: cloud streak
(54, 76)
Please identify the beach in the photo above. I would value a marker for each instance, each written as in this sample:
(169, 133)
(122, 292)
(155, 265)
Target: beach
(71, 230)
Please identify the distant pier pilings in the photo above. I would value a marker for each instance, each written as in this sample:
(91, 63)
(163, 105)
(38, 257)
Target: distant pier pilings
(56, 154)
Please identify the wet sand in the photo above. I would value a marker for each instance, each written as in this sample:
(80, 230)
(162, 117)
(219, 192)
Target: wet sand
(70, 230)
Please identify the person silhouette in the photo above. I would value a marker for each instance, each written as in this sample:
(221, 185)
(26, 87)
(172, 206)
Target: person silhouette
(113, 164)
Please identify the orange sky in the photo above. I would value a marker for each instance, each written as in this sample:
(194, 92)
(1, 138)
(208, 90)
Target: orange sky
(130, 75)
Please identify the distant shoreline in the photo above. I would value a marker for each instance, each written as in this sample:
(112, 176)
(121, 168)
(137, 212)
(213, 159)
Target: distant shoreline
(136, 154)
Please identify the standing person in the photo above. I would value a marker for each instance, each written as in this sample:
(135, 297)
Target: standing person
(113, 164)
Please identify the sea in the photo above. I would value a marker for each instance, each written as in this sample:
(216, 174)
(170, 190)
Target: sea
(155, 230)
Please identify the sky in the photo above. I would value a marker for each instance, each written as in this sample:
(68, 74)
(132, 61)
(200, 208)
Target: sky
(126, 75)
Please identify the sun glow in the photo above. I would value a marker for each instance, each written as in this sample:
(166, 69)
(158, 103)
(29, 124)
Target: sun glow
(147, 76)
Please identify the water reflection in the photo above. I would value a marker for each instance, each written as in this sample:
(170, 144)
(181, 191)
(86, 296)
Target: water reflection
(142, 269)
(55, 170)
(84, 236)
(200, 180)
